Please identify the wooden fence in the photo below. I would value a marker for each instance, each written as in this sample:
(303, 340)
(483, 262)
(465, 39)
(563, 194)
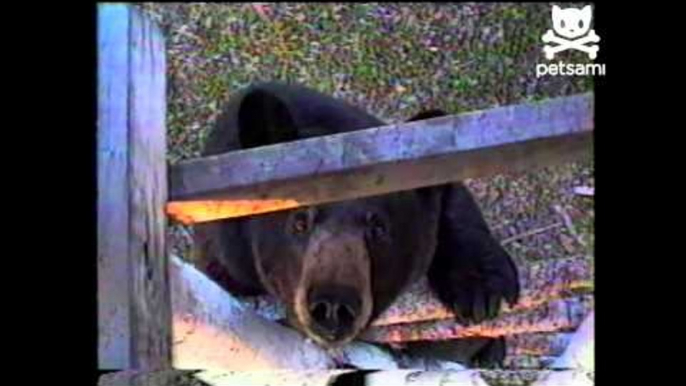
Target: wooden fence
(146, 299)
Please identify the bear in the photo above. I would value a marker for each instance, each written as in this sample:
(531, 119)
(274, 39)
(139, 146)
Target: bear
(336, 267)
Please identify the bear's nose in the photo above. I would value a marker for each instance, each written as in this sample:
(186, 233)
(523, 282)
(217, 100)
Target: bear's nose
(334, 310)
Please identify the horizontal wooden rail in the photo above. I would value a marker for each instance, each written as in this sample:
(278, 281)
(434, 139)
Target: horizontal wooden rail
(381, 160)
(214, 330)
(406, 377)
(541, 283)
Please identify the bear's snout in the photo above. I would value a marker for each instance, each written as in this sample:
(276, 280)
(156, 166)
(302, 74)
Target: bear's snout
(334, 311)
(333, 301)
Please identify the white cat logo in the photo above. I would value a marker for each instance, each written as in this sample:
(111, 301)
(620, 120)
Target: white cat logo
(573, 25)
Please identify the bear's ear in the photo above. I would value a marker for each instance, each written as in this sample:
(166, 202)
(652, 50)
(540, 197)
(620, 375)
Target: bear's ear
(427, 114)
(264, 119)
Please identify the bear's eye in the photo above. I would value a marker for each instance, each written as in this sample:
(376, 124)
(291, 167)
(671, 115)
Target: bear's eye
(300, 223)
(376, 225)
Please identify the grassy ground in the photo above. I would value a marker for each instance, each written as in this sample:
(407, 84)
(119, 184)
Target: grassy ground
(394, 59)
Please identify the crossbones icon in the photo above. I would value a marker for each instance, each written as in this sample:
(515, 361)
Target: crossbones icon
(563, 44)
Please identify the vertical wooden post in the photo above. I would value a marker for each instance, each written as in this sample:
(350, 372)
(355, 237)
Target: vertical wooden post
(134, 306)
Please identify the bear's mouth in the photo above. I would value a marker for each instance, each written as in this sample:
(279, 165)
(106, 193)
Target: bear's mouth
(333, 299)
(329, 340)
(303, 318)
(323, 337)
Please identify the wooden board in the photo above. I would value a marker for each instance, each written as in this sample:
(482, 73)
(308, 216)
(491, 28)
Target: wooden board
(134, 309)
(541, 282)
(325, 378)
(214, 330)
(381, 160)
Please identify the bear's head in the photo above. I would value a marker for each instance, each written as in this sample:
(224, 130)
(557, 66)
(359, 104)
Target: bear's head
(338, 266)
(335, 266)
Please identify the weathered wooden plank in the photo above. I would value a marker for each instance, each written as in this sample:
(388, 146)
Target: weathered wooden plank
(213, 330)
(475, 377)
(524, 351)
(539, 345)
(133, 278)
(114, 343)
(580, 354)
(555, 316)
(381, 160)
(148, 188)
(541, 282)
(415, 377)
(151, 378)
(576, 377)
(221, 377)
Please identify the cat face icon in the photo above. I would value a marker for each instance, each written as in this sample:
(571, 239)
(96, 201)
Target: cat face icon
(572, 22)
(571, 31)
